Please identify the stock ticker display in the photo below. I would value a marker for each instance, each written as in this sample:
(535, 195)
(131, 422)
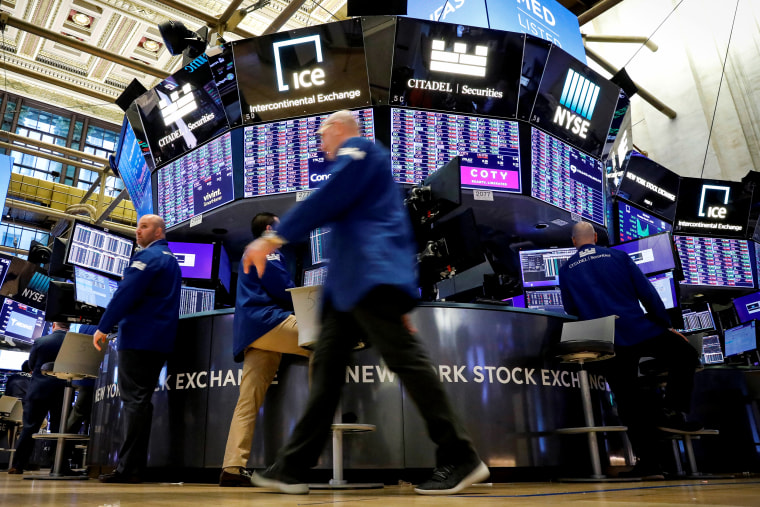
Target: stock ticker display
(715, 261)
(424, 141)
(566, 178)
(98, 249)
(634, 223)
(199, 181)
(284, 156)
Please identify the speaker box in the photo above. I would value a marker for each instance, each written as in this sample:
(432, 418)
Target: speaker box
(369, 8)
(130, 93)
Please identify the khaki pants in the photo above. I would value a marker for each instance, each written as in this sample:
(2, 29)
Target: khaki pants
(262, 358)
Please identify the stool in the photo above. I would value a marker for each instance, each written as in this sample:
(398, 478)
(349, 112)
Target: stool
(576, 347)
(687, 437)
(11, 414)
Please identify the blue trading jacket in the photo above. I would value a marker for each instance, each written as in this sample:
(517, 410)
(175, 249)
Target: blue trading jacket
(598, 281)
(370, 240)
(45, 350)
(146, 304)
(261, 303)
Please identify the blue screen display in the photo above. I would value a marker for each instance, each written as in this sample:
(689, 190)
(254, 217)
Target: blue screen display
(92, 288)
(634, 223)
(651, 254)
(134, 172)
(748, 307)
(740, 339)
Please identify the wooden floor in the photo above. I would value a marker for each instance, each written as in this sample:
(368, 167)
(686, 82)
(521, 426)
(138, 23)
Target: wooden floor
(15, 491)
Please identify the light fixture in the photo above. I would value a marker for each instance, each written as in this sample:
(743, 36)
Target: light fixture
(151, 45)
(81, 19)
(179, 38)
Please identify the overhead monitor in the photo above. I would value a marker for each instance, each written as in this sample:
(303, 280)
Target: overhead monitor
(748, 307)
(713, 207)
(566, 178)
(665, 285)
(649, 185)
(540, 268)
(697, 317)
(633, 223)
(222, 66)
(712, 352)
(300, 72)
(546, 300)
(285, 156)
(652, 254)
(456, 68)
(424, 141)
(12, 359)
(497, 173)
(134, 171)
(196, 300)
(535, 53)
(196, 260)
(5, 266)
(182, 112)
(92, 288)
(317, 240)
(741, 339)
(315, 276)
(718, 262)
(99, 249)
(21, 322)
(196, 183)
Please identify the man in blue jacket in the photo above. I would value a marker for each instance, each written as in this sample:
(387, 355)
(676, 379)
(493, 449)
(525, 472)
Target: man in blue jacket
(146, 308)
(264, 329)
(597, 282)
(370, 287)
(45, 394)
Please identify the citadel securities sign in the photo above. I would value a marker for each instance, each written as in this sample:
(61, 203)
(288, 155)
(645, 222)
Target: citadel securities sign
(298, 72)
(546, 19)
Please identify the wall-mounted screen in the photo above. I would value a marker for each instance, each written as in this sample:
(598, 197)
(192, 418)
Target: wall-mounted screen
(566, 178)
(748, 307)
(634, 223)
(713, 207)
(424, 141)
(92, 288)
(195, 300)
(316, 276)
(547, 300)
(196, 260)
(99, 249)
(649, 185)
(741, 339)
(651, 254)
(317, 240)
(456, 68)
(665, 285)
(491, 172)
(5, 266)
(299, 72)
(198, 182)
(21, 322)
(182, 112)
(222, 66)
(134, 171)
(540, 268)
(715, 261)
(284, 156)
(133, 117)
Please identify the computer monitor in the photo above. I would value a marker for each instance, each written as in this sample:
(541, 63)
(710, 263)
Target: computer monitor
(99, 249)
(204, 265)
(718, 262)
(633, 223)
(697, 317)
(712, 353)
(12, 359)
(92, 288)
(134, 171)
(317, 239)
(547, 300)
(748, 307)
(652, 254)
(440, 193)
(665, 285)
(5, 266)
(57, 266)
(315, 276)
(196, 300)
(540, 268)
(21, 322)
(741, 339)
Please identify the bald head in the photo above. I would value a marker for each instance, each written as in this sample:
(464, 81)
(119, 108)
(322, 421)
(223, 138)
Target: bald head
(583, 234)
(336, 130)
(149, 229)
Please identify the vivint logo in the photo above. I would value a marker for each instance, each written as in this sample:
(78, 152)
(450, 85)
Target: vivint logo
(306, 78)
(579, 97)
(714, 211)
(181, 103)
(458, 61)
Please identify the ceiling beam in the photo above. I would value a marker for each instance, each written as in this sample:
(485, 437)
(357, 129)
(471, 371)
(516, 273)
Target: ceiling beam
(207, 18)
(52, 80)
(284, 16)
(597, 10)
(50, 212)
(53, 147)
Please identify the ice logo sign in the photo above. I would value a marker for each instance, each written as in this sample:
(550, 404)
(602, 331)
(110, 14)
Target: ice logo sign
(177, 105)
(579, 98)
(458, 61)
(714, 211)
(305, 78)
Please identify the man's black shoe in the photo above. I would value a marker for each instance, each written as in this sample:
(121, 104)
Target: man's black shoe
(242, 479)
(117, 477)
(451, 479)
(274, 477)
(644, 472)
(15, 471)
(675, 421)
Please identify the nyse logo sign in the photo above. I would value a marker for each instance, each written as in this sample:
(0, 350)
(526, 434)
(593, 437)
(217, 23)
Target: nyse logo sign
(577, 104)
(305, 78)
(719, 191)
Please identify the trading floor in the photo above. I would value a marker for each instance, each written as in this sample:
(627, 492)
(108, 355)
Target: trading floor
(14, 490)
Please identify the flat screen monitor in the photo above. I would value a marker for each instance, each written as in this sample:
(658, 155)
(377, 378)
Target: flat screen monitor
(717, 262)
(712, 353)
(540, 268)
(225, 269)
(547, 300)
(713, 207)
(99, 249)
(665, 285)
(285, 156)
(315, 276)
(651, 254)
(566, 178)
(741, 339)
(198, 182)
(317, 240)
(21, 322)
(134, 171)
(424, 141)
(92, 288)
(196, 260)
(12, 359)
(195, 300)
(491, 172)
(633, 223)
(697, 317)
(223, 69)
(649, 185)
(5, 266)
(748, 307)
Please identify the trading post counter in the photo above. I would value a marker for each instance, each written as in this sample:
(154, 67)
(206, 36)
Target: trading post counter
(494, 362)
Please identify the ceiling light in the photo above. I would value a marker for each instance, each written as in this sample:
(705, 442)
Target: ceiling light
(81, 19)
(151, 45)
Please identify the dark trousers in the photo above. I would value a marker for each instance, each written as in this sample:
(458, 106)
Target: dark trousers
(36, 408)
(377, 317)
(640, 412)
(138, 376)
(80, 411)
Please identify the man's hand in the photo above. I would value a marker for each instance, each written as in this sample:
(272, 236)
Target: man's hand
(256, 254)
(99, 337)
(408, 324)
